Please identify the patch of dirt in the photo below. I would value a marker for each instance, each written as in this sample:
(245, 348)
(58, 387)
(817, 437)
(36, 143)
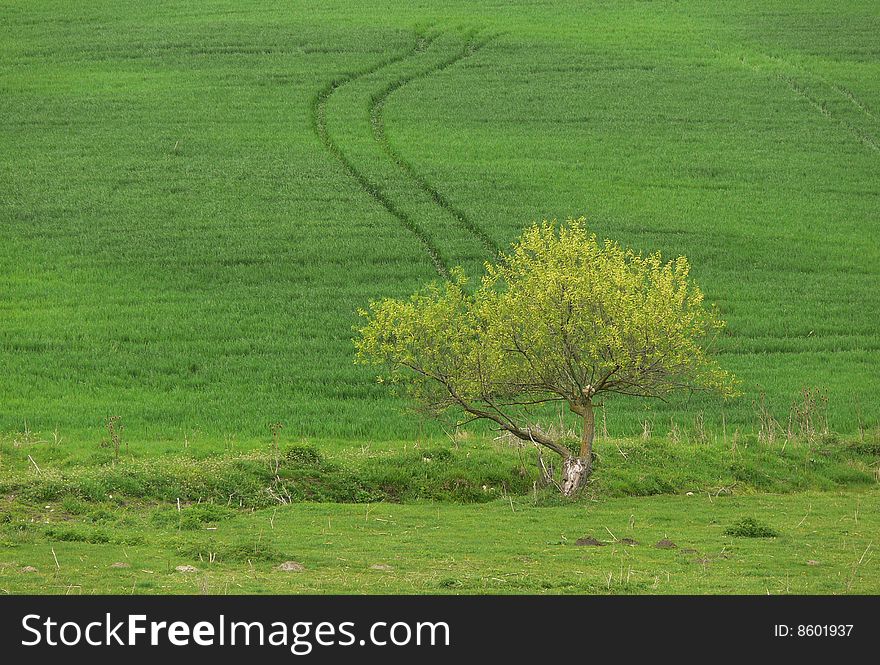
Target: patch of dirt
(703, 561)
(120, 564)
(689, 550)
(589, 541)
(812, 562)
(186, 569)
(665, 544)
(27, 569)
(381, 566)
(629, 541)
(291, 567)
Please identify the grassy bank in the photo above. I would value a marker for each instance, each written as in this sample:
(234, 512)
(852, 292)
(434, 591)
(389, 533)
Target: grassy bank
(466, 471)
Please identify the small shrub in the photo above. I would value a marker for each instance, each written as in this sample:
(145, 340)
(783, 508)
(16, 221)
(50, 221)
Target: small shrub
(100, 515)
(749, 527)
(438, 455)
(192, 517)
(71, 535)
(303, 456)
(241, 552)
(73, 506)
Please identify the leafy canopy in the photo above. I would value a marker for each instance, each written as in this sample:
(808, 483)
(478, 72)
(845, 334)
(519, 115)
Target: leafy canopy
(561, 317)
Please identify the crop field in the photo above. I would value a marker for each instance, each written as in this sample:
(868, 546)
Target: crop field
(197, 197)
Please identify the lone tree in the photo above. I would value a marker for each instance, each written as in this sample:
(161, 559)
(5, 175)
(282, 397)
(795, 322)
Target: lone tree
(560, 318)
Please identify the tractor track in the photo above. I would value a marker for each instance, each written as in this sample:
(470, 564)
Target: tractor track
(803, 82)
(378, 125)
(319, 116)
(377, 101)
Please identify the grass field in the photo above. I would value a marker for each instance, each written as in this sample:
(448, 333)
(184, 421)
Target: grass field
(467, 518)
(196, 197)
(826, 544)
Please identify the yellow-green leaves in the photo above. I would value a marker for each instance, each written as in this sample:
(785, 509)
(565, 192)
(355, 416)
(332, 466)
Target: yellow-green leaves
(562, 316)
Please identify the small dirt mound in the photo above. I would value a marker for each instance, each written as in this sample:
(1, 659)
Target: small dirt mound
(629, 541)
(665, 544)
(186, 569)
(812, 562)
(381, 566)
(689, 550)
(27, 569)
(291, 567)
(589, 541)
(120, 564)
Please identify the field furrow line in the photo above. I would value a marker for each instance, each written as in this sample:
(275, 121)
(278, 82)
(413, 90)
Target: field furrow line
(378, 126)
(855, 101)
(319, 119)
(794, 76)
(801, 90)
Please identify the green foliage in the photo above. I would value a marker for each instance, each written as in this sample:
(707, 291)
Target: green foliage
(303, 456)
(595, 315)
(560, 318)
(77, 535)
(74, 506)
(190, 261)
(192, 517)
(93, 536)
(749, 527)
(212, 489)
(214, 551)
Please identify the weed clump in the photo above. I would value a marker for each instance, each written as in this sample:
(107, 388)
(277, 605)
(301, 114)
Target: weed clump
(241, 552)
(303, 456)
(749, 527)
(72, 535)
(192, 517)
(76, 534)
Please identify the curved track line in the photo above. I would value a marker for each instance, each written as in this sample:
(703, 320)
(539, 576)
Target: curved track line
(846, 92)
(378, 124)
(319, 116)
(802, 90)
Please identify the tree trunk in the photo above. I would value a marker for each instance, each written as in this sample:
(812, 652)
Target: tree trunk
(575, 471)
(588, 433)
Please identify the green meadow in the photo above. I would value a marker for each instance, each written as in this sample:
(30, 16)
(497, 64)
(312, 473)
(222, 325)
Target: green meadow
(825, 543)
(464, 518)
(197, 197)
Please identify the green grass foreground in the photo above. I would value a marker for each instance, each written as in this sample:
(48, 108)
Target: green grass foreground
(826, 544)
(464, 518)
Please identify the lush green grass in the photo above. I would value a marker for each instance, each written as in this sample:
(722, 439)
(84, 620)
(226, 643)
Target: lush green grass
(470, 470)
(469, 517)
(195, 197)
(826, 544)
